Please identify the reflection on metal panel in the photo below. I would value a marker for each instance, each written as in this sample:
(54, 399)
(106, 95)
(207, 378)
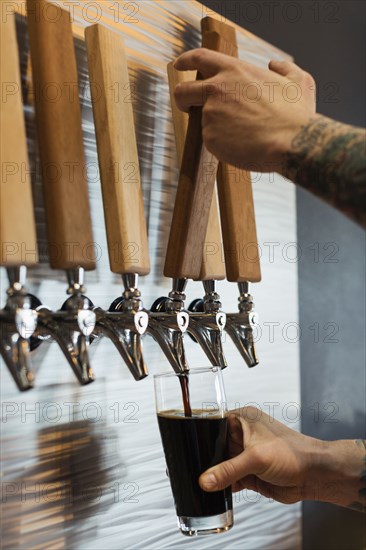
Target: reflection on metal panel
(83, 467)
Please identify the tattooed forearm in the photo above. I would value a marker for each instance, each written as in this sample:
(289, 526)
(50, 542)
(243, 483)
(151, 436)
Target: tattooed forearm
(329, 159)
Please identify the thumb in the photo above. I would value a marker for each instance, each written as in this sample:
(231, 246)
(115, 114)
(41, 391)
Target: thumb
(226, 473)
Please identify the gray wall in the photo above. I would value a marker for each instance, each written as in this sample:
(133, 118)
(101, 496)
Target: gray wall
(327, 39)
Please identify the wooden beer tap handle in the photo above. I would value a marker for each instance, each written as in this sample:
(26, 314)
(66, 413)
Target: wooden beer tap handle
(58, 116)
(117, 152)
(213, 266)
(236, 198)
(17, 226)
(194, 194)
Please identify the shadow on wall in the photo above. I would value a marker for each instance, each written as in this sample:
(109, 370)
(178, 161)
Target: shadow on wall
(76, 469)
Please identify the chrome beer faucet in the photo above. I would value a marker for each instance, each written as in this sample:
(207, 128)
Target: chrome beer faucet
(71, 327)
(124, 324)
(207, 323)
(66, 201)
(241, 325)
(167, 324)
(18, 323)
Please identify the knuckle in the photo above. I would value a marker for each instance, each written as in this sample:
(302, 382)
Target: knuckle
(251, 414)
(198, 55)
(287, 66)
(178, 90)
(211, 89)
(308, 79)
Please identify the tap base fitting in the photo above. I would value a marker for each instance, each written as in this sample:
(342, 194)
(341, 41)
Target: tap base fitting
(246, 303)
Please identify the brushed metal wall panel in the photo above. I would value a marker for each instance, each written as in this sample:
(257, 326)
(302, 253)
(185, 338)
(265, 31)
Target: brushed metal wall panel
(83, 468)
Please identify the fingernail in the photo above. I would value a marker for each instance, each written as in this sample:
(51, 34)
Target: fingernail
(209, 481)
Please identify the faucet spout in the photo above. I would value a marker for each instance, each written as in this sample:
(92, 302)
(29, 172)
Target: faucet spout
(125, 330)
(240, 326)
(207, 330)
(168, 330)
(15, 352)
(18, 322)
(71, 327)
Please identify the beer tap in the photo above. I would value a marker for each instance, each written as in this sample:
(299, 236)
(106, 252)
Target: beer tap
(65, 190)
(207, 321)
(238, 229)
(18, 240)
(193, 204)
(168, 323)
(126, 321)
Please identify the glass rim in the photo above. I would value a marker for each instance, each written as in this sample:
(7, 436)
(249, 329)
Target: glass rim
(198, 370)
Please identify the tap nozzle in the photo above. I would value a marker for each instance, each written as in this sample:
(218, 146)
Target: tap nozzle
(71, 327)
(18, 321)
(241, 325)
(124, 324)
(168, 323)
(207, 323)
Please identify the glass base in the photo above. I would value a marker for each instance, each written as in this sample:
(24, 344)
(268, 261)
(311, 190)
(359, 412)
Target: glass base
(193, 526)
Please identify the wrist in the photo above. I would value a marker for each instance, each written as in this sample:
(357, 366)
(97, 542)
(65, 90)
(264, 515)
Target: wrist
(291, 147)
(334, 472)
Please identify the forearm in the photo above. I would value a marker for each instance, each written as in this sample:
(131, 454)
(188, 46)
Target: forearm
(329, 159)
(338, 474)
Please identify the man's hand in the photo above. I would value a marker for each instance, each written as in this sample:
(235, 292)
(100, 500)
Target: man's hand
(250, 115)
(264, 120)
(267, 457)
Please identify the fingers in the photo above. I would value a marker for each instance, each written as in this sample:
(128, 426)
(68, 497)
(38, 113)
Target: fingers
(291, 71)
(285, 68)
(227, 473)
(207, 62)
(189, 94)
(235, 435)
(284, 494)
(248, 482)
